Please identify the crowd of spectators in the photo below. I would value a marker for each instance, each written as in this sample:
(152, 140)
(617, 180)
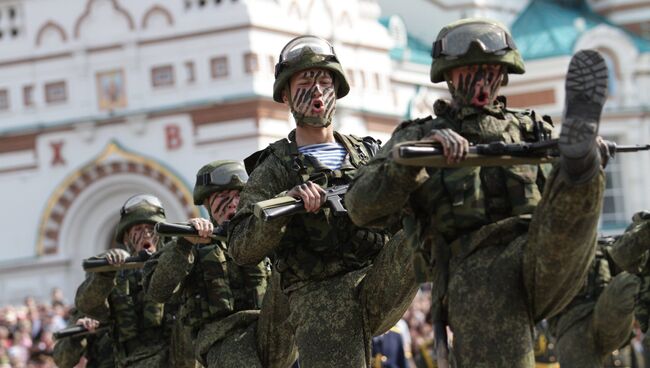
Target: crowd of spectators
(26, 331)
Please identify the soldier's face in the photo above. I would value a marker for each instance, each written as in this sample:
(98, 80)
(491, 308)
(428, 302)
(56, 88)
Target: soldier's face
(475, 85)
(142, 236)
(223, 205)
(312, 93)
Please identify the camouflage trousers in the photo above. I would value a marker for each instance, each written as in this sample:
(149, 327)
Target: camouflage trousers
(586, 342)
(159, 360)
(250, 340)
(335, 319)
(499, 287)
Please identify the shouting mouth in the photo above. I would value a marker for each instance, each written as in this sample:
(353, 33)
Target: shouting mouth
(317, 107)
(481, 99)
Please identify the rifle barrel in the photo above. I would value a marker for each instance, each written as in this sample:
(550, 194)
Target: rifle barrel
(169, 229)
(102, 265)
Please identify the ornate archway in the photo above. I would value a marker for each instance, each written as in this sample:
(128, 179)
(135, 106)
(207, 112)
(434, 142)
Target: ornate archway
(97, 190)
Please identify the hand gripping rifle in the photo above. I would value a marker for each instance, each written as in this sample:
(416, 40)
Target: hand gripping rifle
(169, 229)
(102, 265)
(76, 331)
(286, 206)
(430, 153)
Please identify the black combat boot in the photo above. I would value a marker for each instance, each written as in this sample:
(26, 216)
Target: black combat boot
(586, 92)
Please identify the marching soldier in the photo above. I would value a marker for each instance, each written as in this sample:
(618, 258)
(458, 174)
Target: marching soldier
(333, 272)
(141, 329)
(220, 299)
(472, 226)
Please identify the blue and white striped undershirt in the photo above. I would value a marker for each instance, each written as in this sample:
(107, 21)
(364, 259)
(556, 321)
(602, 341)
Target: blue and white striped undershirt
(331, 155)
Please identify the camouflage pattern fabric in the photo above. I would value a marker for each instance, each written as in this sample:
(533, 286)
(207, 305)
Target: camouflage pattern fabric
(97, 348)
(139, 333)
(501, 259)
(632, 249)
(337, 300)
(220, 300)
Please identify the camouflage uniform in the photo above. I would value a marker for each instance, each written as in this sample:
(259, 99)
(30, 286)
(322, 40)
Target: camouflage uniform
(220, 299)
(345, 283)
(141, 329)
(599, 319)
(496, 241)
(97, 349)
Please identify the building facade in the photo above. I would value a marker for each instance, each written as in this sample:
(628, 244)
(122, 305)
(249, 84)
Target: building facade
(103, 99)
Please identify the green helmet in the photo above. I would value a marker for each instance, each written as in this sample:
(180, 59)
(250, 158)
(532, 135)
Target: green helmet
(307, 52)
(474, 41)
(217, 176)
(138, 209)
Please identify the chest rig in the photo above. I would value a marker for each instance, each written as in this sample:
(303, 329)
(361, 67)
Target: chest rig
(217, 287)
(461, 200)
(320, 245)
(138, 319)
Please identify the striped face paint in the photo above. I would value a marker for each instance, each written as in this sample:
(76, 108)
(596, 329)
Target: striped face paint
(142, 236)
(223, 205)
(313, 98)
(475, 85)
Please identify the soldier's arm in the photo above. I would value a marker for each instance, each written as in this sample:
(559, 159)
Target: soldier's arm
(92, 295)
(249, 238)
(382, 188)
(255, 277)
(166, 270)
(630, 251)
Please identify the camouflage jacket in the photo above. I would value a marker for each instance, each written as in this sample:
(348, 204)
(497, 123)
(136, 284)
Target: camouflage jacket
(455, 200)
(304, 247)
(140, 327)
(210, 285)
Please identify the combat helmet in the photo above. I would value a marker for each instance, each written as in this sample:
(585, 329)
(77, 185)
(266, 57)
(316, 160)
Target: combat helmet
(307, 52)
(218, 176)
(138, 209)
(474, 41)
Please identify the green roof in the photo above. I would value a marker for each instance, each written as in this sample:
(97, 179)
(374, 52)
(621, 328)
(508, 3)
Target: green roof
(545, 28)
(415, 51)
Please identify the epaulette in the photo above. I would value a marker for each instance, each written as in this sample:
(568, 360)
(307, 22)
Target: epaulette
(408, 123)
(254, 160)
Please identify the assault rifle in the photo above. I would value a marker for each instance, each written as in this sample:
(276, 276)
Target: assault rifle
(102, 265)
(286, 206)
(169, 229)
(76, 331)
(430, 153)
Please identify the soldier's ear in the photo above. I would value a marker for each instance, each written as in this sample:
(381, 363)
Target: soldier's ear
(285, 95)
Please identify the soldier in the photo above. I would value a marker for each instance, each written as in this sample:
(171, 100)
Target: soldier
(599, 319)
(141, 328)
(96, 347)
(337, 301)
(472, 226)
(221, 300)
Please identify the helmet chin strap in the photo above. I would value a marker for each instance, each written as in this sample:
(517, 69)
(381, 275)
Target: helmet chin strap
(302, 120)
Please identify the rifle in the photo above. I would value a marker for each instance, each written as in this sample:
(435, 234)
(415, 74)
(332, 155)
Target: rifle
(430, 153)
(440, 345)
(76, 331)
(169, 229)
(102, 265)
(286, 206)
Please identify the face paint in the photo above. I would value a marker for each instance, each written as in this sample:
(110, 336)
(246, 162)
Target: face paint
(312, 97)
(223, 205)
(142, 236)
(475, 85)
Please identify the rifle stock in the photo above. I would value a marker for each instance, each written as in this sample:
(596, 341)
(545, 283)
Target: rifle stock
(102, 265)
(76, 331)
(169, 229)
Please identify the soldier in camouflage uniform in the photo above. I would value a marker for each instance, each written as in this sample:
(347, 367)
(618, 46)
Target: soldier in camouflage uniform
(96, 347)
(345, 283)
(221, 300)
(599, 319)
(141, 329)
(495, 271)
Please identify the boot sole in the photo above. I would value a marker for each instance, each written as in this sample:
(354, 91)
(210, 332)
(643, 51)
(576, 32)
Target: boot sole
(586, 93)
